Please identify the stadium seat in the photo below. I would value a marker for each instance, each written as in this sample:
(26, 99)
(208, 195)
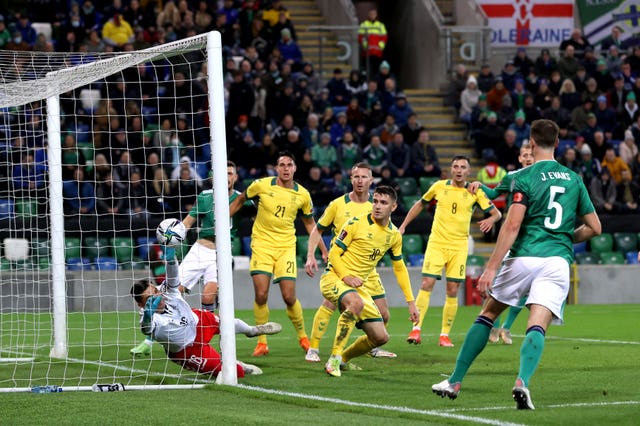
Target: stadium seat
(106, 264)
(72, 247)
(612, 258)
(408, 186)
(412, 244)
(246, 246)
(327, 241)
(94, 248)
(415, 259)
(27, 208)
(7, 209)
(245, 183)
(602, 243)
(87, 150)
(475, 260)
(580, 247)
(144, 247)
(5, 265)
(40, 250)
(587, 258)
(625, 241)
(632, 258)
(426, 182)
(123, 249)
(409, 200)
(77, 263)
(385, 261)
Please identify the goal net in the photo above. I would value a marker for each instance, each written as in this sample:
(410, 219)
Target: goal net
(96, 150)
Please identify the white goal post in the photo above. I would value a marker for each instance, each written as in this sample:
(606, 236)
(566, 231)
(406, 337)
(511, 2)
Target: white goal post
(65, 313)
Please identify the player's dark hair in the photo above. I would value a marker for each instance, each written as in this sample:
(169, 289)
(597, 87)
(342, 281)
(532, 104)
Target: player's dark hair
(286, 153)
(138, 289)
(461, 157)
(231, 164)
(544, 133)
(387, 190)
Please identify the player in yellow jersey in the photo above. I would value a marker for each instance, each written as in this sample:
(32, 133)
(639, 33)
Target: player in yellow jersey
(360, 245)
(273, 242)
(448, 242)
(355, 203)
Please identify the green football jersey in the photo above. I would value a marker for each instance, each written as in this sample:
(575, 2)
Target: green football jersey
(554, 196)
(204, 210)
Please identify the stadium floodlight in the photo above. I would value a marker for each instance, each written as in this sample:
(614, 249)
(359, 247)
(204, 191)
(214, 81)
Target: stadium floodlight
(141, 127)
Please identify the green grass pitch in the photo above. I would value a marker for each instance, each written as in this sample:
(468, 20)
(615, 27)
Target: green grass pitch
(589, 374)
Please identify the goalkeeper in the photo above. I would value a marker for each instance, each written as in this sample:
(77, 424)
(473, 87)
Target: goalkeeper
(184, 332)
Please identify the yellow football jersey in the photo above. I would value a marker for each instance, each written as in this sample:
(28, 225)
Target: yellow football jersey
(278, 208)
(339, 211)
(453, 212)
(364, 242)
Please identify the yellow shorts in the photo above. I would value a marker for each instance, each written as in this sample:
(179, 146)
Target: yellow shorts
(277, 263)
(374, 286)
(333, 289)
(437, 257)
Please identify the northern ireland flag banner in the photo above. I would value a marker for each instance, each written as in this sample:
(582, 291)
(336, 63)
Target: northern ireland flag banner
(529, 22)
(599, 16)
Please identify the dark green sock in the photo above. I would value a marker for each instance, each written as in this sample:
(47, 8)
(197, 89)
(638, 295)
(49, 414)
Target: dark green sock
(513, 313)
(473, 344)
(530, 353)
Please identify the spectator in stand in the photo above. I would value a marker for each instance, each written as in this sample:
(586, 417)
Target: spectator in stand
(569, 97)
(490, 137)
(399, 156)
(469, 99)
(555, 82)
(520, 128)
(568, 63)
(602, 76)
(524, 65)
(424, 159)
(27, 32)
(591, 91)
(557, 113)
(339, 128)
(375, 117)
(628, 193)
(509, 75)
(355, 114)
(324, 156)
(72, 157)
(370, 96)
(110, 198)
(589, 61)
(612, 40)
(5, 35)
(578, 41)
(479, 115)
(117, 32)
(496, 95)
(384, 74)
(543, 96)
(248, 159)
(29, 176)
(17, 44)
(349, 153)
(290, 50)
(386, 130)
(356, 85)
(457, 83)
(606, 117)
(629, 114)
(614, 61)
(185, 190)
(486, 79)
(185, 165)
(635, 130)
(401, 110)
(375, 154)
(411, 130)
(590, 167)
(310, 133)
(79, 195)
(634, 60)
(388, 94)
(570, 160)
(137, 196)
(320, 190)
(507, 114)
(280, 133)
(603, 192)
(545, 64)
(258, 115)
(508, 152)
(518, 94)
(599, 145)
(361, 136)
(338, 93)
(580, 113)
(269, 155)
(628, 149)
(616, 95)
(531, 112)
(615, 164)
(372, 36)
(271, 13)
(635, 168)
(580, 80)
(628, 75)
(590, 129)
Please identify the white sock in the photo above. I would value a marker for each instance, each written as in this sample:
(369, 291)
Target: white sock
(243, 328)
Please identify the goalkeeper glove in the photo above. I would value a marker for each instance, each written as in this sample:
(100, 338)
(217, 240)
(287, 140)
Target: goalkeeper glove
(150, 307)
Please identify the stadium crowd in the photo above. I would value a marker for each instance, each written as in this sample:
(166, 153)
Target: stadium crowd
(275, 101)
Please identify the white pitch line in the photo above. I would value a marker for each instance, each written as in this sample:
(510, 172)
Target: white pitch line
(572, 405)
(438, 413)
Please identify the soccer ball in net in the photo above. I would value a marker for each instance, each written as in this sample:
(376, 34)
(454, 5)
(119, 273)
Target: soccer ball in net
(171, 232)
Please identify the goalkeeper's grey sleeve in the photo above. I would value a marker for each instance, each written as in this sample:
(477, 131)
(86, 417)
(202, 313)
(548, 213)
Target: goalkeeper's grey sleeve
(173, 278)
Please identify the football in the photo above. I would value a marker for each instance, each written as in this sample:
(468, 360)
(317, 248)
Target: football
(171, 232)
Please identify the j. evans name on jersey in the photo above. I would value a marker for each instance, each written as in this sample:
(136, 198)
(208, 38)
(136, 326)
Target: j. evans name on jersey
(555, 175)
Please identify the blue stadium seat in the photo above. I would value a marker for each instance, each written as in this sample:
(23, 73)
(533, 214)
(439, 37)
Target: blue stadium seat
(7, 209)
(78, 264)
(106, 264)
(327, 241)
(144, 246)
(632, 258)
(415, 259)
(580, 247)
(246, 246)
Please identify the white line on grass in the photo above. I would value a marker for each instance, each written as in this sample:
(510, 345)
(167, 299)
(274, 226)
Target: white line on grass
(573, 405)
(434, 413)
